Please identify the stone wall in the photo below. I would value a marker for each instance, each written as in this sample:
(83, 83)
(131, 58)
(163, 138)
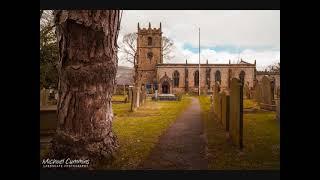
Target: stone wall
(192, 68)
(151, 68)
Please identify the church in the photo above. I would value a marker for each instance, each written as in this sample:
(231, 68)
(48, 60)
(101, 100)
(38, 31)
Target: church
(169, 78)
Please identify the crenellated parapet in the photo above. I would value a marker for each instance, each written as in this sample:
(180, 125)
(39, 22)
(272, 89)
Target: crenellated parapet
(149, 30)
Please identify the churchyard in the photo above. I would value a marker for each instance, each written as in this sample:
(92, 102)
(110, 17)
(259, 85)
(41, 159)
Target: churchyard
(155, 115)
(137, 131)
(261, 140)
(242, 133)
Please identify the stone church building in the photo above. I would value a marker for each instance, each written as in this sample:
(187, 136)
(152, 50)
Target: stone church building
(184, 77)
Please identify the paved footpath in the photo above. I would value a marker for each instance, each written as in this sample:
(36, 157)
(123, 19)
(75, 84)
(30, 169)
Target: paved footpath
(182, 146)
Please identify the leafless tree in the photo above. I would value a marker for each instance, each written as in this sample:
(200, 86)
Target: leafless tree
(167, 48)
(274, 67)
(129, 48)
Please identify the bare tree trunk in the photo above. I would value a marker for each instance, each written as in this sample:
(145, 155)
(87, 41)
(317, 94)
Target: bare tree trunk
(87, 68)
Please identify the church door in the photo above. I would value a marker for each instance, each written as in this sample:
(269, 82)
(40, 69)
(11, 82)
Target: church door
(165, 88)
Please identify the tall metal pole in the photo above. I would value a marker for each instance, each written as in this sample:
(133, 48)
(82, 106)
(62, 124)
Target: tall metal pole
(199, 63)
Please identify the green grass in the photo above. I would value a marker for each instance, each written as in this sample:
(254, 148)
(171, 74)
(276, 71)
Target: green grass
(139, 131)
(261, 142)
(118, 98)
(249, 103)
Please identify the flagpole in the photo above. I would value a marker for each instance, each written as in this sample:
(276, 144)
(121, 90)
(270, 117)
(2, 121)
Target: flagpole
(199, 64)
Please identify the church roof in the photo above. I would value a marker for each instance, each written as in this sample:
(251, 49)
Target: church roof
(243, 62)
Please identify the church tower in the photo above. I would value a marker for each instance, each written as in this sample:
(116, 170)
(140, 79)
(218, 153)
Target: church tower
(149, 54)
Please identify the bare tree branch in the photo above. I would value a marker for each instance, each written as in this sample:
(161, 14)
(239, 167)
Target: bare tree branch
(129, 47)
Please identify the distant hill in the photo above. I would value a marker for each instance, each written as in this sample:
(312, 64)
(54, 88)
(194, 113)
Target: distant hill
(124, 75)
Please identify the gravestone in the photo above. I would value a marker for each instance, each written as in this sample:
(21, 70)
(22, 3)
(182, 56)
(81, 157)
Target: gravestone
(246, 91)
(267, 94)
(44, 97)
(143, 95)
(273, 88)
(278, 92)
(278, 109)
(219, 107)
(130, 94)
(156, 95)
(215, 97)
(236, 113)
(266, 91)
(136, 97)
(257, 92)
(225, 110)
(206, 90)
(56, 96)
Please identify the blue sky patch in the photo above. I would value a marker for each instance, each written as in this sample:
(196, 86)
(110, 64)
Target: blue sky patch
(225, 48)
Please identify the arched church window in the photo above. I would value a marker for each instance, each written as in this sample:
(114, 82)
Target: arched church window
(176, 79)
(150, 55)
(208, 77)
(149, 41)
(196, 78)
(217, 76)
(229, 78)
(241, 77)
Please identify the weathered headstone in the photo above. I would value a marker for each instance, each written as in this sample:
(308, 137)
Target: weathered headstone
(273, 88)
(278, 109)
(56, 96)
(130, 94)
(156, 95)
(278, 92)
(267, 94)
(135, 98)
(257, 92)
(142, 95)
(266, 91)
(218, 112)
(205, 91)
(225, 110)
(44, 97)
(236, 113)
(215, 97)
(246, 91)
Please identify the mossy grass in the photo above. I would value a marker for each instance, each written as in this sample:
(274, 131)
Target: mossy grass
(139, 131)
(261, 141)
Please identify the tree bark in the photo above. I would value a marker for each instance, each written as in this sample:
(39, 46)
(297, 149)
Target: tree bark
(87, 68)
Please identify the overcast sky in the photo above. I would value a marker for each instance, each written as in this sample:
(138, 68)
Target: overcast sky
(250, 35)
